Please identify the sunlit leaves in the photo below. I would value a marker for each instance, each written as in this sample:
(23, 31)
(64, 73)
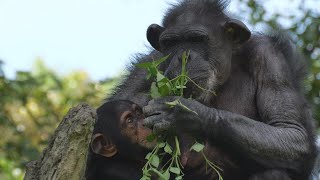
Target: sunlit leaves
(33, 104)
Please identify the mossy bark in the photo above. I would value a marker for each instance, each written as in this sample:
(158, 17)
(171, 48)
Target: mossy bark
(66, 155)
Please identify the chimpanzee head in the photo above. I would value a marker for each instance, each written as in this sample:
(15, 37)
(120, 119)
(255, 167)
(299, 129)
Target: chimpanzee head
(119, 131)
(203, 29)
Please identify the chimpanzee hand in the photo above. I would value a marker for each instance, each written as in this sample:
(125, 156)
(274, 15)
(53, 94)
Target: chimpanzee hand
(185, 116)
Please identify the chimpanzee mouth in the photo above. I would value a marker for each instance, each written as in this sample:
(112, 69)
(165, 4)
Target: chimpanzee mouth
(147, 144)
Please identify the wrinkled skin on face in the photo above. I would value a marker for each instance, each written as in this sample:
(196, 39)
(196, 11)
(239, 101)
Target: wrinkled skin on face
(210, 46)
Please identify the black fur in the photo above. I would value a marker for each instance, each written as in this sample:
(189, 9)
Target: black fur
(264, 121)
(133, 86)
(128, 162)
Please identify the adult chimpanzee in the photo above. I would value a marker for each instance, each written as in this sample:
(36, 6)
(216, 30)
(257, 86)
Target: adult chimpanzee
(118, 144)
(259, 114)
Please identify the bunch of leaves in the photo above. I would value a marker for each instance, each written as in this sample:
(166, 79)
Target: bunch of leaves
(155, 157)
(161, 87)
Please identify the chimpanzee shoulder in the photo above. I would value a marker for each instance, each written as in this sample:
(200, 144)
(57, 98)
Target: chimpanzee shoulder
(134, 85)
(274, 54)
(295, 60)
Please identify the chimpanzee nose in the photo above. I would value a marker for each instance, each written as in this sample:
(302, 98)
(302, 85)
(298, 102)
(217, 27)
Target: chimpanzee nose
(174, 68)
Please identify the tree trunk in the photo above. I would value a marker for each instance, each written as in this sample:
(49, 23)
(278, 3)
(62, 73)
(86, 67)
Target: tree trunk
(66, 155)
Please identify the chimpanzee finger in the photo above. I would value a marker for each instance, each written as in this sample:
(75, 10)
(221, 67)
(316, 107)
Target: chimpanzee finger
(154, 109)
(163, 100)
(151, 102)
(161, 126)
(152, 120)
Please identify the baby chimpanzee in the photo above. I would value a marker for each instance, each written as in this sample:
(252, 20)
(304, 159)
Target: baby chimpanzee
(118, 146)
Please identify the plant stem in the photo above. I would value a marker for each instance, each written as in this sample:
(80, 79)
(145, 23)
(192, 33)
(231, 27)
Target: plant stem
(212, 165)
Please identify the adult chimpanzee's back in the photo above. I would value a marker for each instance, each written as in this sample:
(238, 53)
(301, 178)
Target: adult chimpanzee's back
(258, 114)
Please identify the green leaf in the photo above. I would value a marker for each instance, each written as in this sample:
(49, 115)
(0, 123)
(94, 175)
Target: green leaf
(154, 91)
(163, 84)
(161, 60)
(146, 173)
(168, 149)
(175, 170)
(145, 65)
(166, 175)
(197, 147)
(148, 156)
(161, 77)
(179, 177)
(155, 161)
(164, 90)
(161, 145)
(153, 71)
(151, 137)
(150, 67)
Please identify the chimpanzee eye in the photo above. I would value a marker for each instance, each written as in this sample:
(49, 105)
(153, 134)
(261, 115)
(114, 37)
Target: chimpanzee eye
(130, 120)
(197, 37)
(169, 40)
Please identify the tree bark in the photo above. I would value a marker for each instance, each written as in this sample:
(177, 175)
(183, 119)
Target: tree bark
(66, 155)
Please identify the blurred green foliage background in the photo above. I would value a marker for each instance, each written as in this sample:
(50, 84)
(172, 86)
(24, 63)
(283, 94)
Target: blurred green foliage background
(32, 104)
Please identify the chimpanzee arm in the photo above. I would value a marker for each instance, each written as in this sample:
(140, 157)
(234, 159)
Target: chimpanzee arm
(281, 142)
(282, 138)
(135, 87)
(284, 135)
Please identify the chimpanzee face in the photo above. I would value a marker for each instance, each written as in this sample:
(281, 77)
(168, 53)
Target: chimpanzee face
(119, 128)
(208, 36)
(131, 126)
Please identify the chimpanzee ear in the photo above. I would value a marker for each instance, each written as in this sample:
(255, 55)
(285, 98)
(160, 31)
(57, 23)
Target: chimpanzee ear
(153, 34)
(103, 145)
(238, 31)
